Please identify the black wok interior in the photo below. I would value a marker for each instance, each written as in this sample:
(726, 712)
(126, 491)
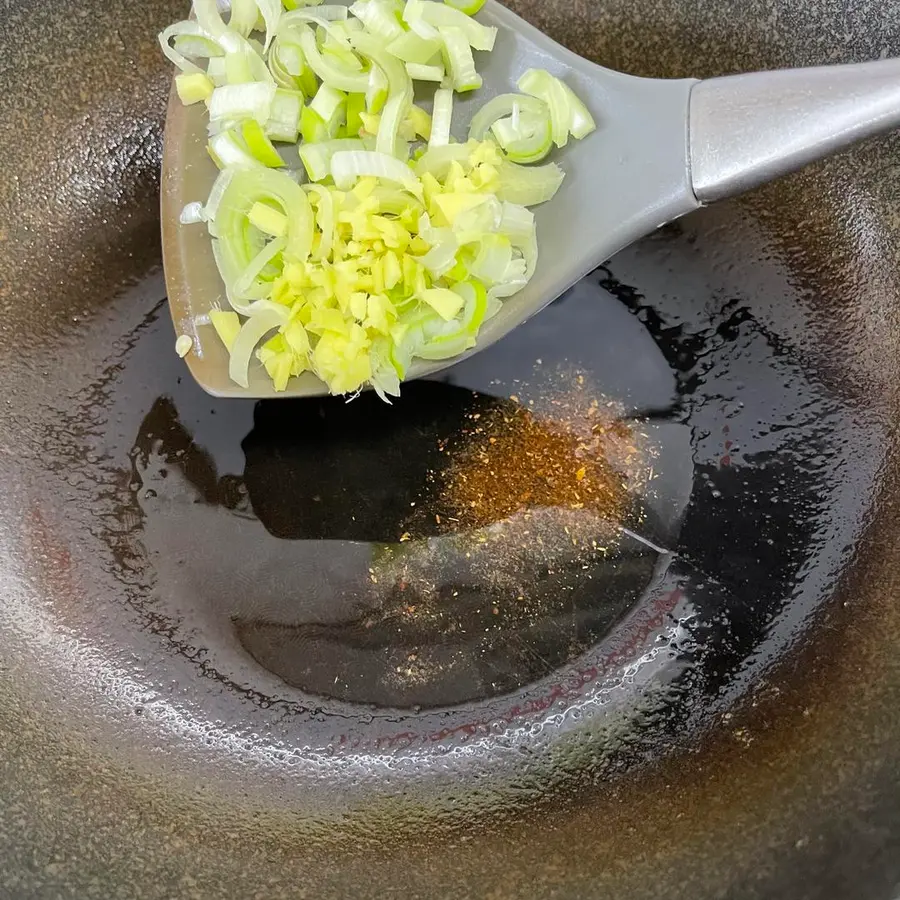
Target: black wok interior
(203, 695)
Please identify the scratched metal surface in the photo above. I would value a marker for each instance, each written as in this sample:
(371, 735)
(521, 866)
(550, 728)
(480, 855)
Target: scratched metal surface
(723, 725)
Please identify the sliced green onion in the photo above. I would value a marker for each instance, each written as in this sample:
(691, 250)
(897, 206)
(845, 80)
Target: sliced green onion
(425, 73)
(441, 258)
(411, 48)
(239, 67)
(379, 18)
(210, 21)
(316, 158)
(331, 73)
(325, 220)
(529, 186)
(397, 202)
(459, 60)
(492, 262)
(425, 31)
(242, 101)
(454, 341)
(501, 106)
(348, 166)
(441, 118)
(329, 13)
(251, 333)
(229, 150)
(259, 145)
(568, 113)
(244, 15)
(216, 70)
(356, 106)
(253, 281)
(437, 161)
(268, 220)
(400, 90)
(237, 245)
(284, 116)
(337, 48)
(271, 11)
(289, 69)
(211, 209)
(197, 46)
(331, 106)
(582, 123)
(312, 126)
(180, 30)
(516, 222)
(377, 91)
(478, 36)
(551, 91)
(528, 141)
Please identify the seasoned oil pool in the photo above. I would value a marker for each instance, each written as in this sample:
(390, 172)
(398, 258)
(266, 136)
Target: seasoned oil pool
(303, 561)
(449, 548)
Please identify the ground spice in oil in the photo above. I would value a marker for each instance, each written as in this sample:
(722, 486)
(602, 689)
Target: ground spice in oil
(512, 531)
(568, 452)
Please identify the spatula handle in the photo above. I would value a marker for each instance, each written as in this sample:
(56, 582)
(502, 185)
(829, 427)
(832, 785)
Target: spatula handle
(746, 130)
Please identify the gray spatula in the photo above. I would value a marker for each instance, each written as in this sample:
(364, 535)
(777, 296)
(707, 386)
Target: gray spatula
(661, 149)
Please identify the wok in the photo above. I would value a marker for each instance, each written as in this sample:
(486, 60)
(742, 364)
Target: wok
(195, 702)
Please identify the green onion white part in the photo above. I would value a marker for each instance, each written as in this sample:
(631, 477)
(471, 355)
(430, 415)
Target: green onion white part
(390, 242)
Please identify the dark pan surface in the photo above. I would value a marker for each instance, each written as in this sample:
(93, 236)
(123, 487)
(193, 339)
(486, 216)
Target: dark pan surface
(718, 724)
